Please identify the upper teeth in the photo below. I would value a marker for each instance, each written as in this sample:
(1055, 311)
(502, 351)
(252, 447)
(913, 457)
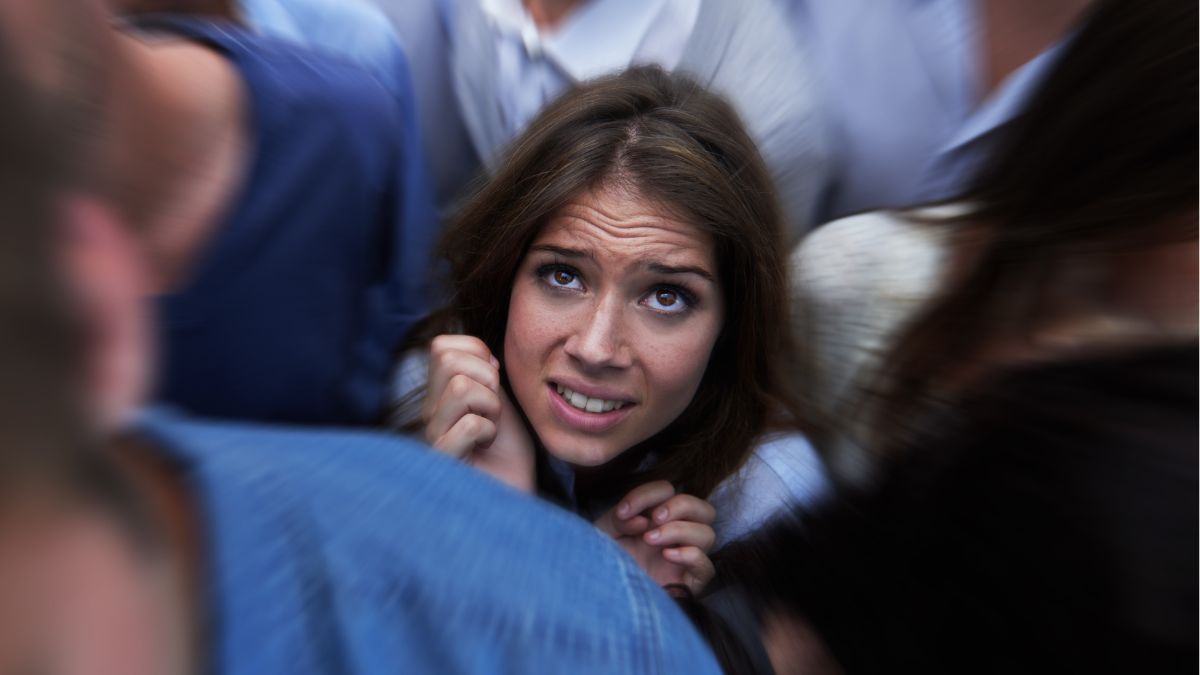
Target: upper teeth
(592, 405)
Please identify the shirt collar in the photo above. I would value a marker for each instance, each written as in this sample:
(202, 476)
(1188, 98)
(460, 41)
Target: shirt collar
(1009, 99)
(602, 36)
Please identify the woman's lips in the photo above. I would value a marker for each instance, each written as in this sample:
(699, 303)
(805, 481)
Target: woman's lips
(592, 404)
(584, 420)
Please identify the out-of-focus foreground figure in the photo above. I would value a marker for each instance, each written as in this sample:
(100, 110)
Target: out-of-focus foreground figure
(138, 542)
(1032, 425)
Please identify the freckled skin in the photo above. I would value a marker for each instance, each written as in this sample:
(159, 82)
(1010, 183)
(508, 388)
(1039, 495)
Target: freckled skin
(606, 323)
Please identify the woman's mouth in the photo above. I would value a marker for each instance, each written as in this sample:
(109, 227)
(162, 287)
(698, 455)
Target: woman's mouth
(588, 414)
(587, 403)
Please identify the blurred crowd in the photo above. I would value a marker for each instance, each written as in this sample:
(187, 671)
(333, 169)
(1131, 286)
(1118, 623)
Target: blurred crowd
(794, 336)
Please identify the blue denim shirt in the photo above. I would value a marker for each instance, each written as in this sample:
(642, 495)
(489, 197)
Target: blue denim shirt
(358, 552)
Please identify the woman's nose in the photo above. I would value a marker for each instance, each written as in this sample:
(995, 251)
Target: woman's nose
(598, 339)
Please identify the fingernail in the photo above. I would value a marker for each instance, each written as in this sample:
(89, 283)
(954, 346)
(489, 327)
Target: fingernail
(623, 509)
(654, 535)
(495, 363)
(661, 514)
(672, 553)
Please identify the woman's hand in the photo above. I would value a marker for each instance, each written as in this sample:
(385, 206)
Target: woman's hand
(668, 534)
(467, 414)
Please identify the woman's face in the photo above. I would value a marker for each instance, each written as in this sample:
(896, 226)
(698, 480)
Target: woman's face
(613, 314)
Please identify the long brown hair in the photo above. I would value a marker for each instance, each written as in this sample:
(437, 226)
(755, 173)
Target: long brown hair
(1103, 160)
(686, 148)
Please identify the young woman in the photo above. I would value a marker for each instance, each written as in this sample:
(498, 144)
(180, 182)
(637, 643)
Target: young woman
(618, 328)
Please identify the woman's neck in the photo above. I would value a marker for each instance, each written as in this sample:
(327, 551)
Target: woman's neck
(609, 481)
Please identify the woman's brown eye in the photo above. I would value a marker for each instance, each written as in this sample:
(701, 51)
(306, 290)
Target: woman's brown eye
(563, 277)
(667, 298)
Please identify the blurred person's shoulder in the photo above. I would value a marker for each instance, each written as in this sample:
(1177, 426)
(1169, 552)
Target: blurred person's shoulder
(1091, 462)
(1080, 441)
(785, 472)
(1137, 397)
(351, 30)
(286, 80)
(438, 566)
(876, 248)
(854, 283)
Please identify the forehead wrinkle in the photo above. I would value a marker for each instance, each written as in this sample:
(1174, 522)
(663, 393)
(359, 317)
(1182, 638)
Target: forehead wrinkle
(678, 250)
(640, 226)
(635, 232)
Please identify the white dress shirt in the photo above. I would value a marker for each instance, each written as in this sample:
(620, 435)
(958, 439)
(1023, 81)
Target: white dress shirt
(506, 70)
(535, 66)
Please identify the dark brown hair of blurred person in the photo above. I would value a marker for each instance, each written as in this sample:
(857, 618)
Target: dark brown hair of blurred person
(59, 487)
(681, 146)
(48, 128)
(1041, 514)
(43, 124)
(1092, 197)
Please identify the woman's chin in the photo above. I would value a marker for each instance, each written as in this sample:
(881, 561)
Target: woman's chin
(582, 455)
(580, 451)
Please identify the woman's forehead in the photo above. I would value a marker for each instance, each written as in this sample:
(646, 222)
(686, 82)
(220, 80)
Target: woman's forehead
(620, 220)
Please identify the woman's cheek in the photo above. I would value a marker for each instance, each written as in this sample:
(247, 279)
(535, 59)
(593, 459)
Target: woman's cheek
(675, 364)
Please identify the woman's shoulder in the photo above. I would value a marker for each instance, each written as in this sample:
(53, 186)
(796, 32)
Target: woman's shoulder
(793, 460)
(784, 471)
(408, 386)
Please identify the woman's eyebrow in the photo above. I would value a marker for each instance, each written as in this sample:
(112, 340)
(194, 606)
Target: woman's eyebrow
(564, 252)
(650, 265)
(660, 268)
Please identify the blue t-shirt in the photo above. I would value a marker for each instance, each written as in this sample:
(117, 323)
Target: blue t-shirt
(322, 264)
(359, 552)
